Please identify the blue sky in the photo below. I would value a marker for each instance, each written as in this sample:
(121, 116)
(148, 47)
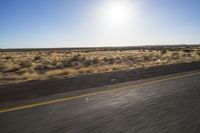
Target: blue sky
(85, 23)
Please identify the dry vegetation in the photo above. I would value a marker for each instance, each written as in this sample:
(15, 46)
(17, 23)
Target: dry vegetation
(36, 65)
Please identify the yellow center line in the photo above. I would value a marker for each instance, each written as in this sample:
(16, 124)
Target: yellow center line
(90, 94)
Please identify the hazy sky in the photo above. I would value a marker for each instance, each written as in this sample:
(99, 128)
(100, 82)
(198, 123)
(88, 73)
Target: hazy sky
(80, 23)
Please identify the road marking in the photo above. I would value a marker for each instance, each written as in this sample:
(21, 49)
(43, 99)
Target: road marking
(91, 94)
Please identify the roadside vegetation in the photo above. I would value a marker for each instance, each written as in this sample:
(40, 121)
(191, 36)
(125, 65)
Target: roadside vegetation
(37, 65)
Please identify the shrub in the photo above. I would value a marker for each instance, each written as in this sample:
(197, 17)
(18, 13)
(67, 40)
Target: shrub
(40, 67)
(187, 50)
(108, 60)
(25, 64)
(162, 52)
(36, 58)
(198, 53)
(7, 57)
(59, 65)
(75, 58)
(147, 58)
(2, 68)
(89, 62)
(12, 68)
(175, 55)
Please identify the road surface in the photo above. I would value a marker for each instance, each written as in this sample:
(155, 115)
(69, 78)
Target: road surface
(169, 105)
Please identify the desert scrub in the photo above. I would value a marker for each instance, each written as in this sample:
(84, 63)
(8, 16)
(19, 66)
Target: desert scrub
(7, 57)
(175, 55)
(36, 58)
(198, 53)
(108, 60)
(25, 64)
(2, 67)
(72, 62)
(90, 61)
(162, 52)
(12, 68)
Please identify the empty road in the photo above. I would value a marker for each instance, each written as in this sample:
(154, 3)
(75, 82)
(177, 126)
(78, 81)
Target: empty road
(162, 105)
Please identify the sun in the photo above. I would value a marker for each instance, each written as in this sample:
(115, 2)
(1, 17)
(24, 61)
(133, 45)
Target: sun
(117, 13)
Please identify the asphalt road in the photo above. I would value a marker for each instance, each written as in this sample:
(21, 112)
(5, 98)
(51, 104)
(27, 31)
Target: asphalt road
(164, 106)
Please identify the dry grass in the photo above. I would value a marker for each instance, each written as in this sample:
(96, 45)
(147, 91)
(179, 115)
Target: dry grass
(36, 65)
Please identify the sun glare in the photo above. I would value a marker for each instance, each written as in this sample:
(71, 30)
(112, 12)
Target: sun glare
(117, 13)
